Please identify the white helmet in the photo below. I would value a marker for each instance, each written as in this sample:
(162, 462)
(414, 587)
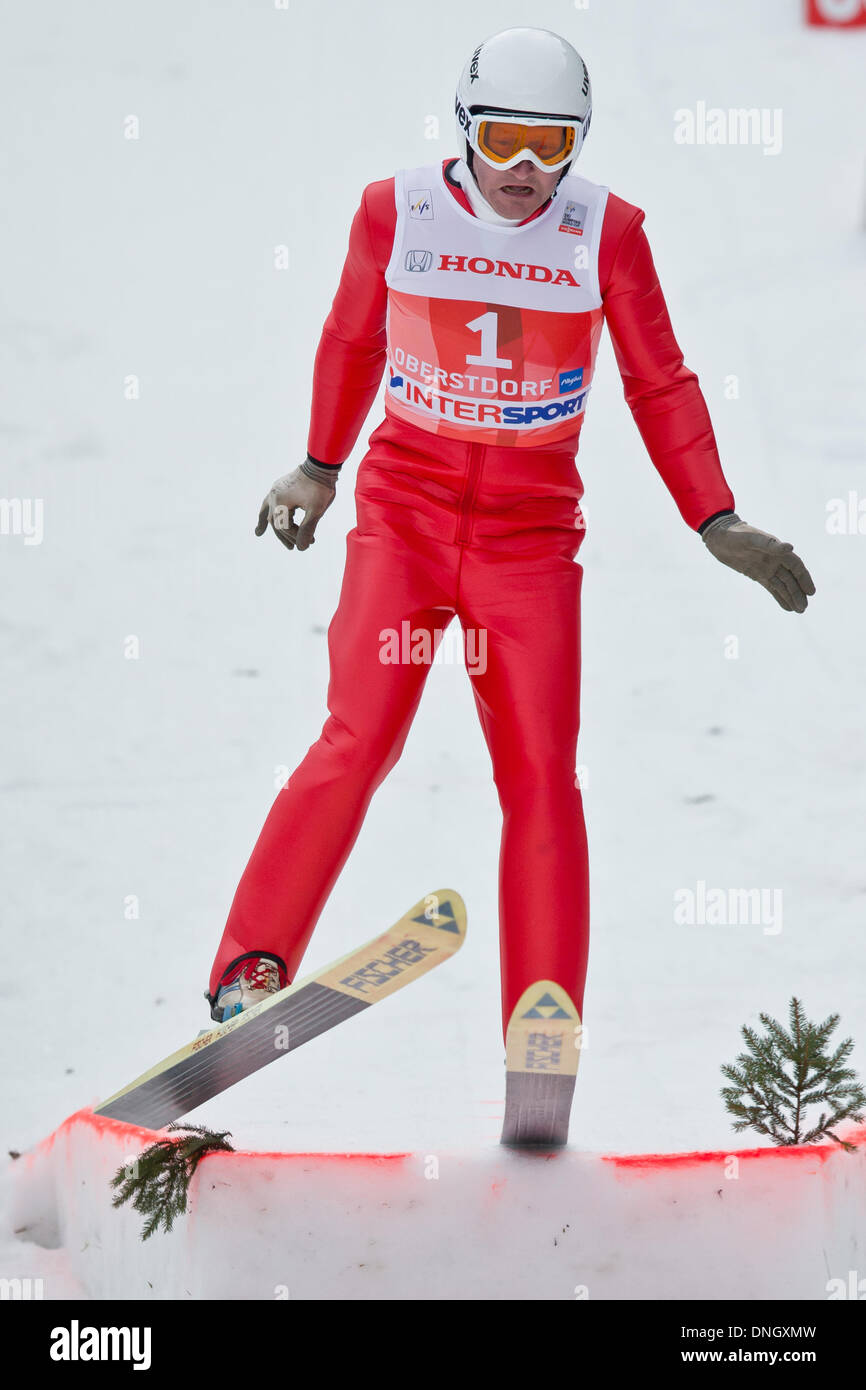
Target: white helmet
(526, 79)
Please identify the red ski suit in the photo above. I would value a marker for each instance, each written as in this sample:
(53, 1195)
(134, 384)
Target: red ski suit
(489, 533)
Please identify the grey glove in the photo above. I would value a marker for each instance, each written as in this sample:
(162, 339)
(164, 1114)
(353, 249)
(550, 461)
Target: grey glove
(762, 557)
(310, 488)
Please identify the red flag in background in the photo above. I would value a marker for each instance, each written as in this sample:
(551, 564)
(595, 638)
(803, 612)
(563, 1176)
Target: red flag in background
(836, 14)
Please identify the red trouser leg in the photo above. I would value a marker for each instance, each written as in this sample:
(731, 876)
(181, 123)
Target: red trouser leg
(315, 819)
(501, 553)
(526, 611)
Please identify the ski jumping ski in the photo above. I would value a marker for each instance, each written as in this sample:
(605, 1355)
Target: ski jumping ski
(429, 933)
(542, 1050)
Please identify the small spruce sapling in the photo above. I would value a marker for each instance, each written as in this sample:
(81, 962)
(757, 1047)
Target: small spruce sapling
(785, 1072)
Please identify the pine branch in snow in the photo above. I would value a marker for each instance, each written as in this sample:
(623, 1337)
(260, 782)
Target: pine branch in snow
(157, 1183)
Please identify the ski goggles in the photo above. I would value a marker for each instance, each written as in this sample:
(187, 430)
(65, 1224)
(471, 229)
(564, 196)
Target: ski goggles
(503, 142)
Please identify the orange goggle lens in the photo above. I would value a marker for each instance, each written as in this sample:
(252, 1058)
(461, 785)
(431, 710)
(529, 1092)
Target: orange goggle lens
(502, 140)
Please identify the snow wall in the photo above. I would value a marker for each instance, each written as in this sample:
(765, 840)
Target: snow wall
(488, 1224)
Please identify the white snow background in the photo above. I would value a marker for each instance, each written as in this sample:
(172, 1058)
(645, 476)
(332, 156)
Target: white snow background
(259, 127)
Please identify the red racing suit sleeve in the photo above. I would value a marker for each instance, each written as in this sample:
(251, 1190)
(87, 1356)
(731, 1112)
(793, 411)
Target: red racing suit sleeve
(351, 352)
(662, 393)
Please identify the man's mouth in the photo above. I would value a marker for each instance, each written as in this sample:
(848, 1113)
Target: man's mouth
(517, 190)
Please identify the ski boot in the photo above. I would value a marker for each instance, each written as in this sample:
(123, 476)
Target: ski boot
(246, 982)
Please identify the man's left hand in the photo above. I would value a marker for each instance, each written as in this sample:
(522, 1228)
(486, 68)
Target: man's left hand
(762, 557)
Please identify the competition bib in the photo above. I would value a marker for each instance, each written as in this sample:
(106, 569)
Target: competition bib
(493, 331)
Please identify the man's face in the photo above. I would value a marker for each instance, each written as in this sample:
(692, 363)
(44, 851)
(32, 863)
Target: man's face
(514, 192)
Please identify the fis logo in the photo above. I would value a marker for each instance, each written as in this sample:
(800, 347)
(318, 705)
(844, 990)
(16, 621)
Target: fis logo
(421, 204)
(573, 219)
(418, 260)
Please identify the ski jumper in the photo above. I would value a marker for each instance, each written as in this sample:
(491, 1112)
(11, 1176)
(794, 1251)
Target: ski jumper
(468, 504)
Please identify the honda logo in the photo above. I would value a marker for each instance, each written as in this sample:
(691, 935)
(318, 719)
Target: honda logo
(418, 260)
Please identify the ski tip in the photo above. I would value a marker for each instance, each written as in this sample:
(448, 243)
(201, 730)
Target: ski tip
(544, 1031)
(443, 910)
(544, 999)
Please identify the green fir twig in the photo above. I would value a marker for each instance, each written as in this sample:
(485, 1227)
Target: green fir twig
(786, 1071)
(157, 1182)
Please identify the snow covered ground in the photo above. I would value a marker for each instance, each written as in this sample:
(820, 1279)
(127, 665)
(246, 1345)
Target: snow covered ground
(479, 1223)
(133, 789)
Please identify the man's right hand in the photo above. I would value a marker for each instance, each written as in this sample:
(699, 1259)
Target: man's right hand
(310, 489)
